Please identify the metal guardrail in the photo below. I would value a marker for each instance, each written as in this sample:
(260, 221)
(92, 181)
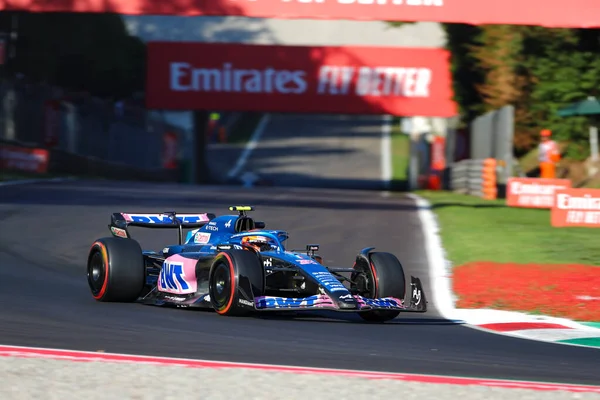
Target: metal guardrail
(43, 116)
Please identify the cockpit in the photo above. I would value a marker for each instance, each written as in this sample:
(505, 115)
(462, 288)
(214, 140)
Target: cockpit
(265, 241)
(260, 243)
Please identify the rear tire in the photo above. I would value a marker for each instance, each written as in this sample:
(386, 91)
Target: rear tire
(115, 270)
(231, 272)
(384, 278)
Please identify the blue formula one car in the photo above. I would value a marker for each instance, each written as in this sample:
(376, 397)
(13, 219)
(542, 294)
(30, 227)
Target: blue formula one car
(232, 264)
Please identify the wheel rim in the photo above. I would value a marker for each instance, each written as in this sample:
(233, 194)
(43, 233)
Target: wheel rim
(96, 273)
(363, 283)
(221, 285)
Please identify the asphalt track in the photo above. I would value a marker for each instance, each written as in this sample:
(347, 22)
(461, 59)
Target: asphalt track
(46, 230)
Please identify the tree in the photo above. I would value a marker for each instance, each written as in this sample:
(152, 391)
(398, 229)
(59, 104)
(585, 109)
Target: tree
(466, 74)
(89, 52)
(537, 70)
(564, 67)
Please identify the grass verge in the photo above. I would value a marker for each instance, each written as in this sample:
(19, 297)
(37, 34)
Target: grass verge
(513, 259)
(400, 143)
(473, 230)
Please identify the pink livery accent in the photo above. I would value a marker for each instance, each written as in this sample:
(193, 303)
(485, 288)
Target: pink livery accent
(164, 219)
(178, 275)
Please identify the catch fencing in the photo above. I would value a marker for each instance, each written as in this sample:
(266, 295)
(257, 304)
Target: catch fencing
(123, 133)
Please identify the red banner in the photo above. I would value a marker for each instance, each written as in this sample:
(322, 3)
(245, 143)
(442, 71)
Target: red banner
(23, 159)
(533, 192)
(576, 207)
(337, 80)
(549, 13)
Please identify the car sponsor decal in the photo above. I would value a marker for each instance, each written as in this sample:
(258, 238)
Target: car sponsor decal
(165, 219)
(246, 303)
(118, 232)
(174, 298)
(324, 301)
(172, 278)
(272, 302)
(212, 226)
(387, 302)
(328, 281)
(201, 237)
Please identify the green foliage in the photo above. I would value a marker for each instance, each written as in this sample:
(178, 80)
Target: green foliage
(538, 70)
(565, 67)
(466, 75)
(90, 52)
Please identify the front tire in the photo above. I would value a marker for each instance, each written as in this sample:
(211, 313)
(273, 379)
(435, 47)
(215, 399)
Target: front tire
(115, 270)
(232, 272)
(382, 277)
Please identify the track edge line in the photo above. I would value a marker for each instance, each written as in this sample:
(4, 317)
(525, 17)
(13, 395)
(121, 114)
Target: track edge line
(89, 356)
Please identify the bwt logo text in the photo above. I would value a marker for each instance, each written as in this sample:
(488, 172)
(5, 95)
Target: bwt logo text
(163, 219)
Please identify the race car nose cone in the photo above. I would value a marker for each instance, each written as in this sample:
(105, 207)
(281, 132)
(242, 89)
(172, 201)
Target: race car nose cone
(347, 302)
(347, 305)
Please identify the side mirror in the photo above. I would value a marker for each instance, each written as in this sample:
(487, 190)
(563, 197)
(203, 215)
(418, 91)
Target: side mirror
(312, 248)
(259, 225)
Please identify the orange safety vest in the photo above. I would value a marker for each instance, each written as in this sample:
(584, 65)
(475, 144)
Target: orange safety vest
(548, 157)
(549, 152)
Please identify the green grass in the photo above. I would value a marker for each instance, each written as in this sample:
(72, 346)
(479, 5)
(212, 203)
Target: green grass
(400, 152)
(473, 229)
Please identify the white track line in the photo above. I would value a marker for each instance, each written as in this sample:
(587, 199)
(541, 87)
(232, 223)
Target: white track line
(439, 268)
(440, 275)
(250, 146)
(386, 150)
(87, 356)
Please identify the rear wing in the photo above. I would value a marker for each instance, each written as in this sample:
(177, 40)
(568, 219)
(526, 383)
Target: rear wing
(120, 222)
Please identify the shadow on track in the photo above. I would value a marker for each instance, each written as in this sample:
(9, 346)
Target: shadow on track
(84, 193)
(323, 317)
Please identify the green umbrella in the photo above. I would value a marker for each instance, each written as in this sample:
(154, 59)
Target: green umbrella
(589, 107)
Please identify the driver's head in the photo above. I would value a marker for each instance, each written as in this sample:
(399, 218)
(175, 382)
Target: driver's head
(258, 243)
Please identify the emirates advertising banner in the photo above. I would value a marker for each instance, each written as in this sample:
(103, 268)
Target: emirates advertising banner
(336, 80)
(576, 208)
(549, 13)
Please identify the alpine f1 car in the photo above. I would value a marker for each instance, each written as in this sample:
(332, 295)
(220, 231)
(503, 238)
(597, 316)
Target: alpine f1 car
(232, 264)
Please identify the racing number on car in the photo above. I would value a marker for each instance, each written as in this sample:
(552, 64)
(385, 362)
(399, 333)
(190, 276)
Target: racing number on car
(171, 275)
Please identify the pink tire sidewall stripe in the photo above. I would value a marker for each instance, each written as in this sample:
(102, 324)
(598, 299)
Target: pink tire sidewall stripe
(84, 356)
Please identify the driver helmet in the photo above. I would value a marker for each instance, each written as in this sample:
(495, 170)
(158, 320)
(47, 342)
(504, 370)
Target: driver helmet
(259, 243)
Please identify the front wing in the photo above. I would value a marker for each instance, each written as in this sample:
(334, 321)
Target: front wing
(324, 302)
(417, 302)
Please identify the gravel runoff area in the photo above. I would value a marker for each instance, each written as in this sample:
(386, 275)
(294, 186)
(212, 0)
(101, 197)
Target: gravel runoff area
(59, 379)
